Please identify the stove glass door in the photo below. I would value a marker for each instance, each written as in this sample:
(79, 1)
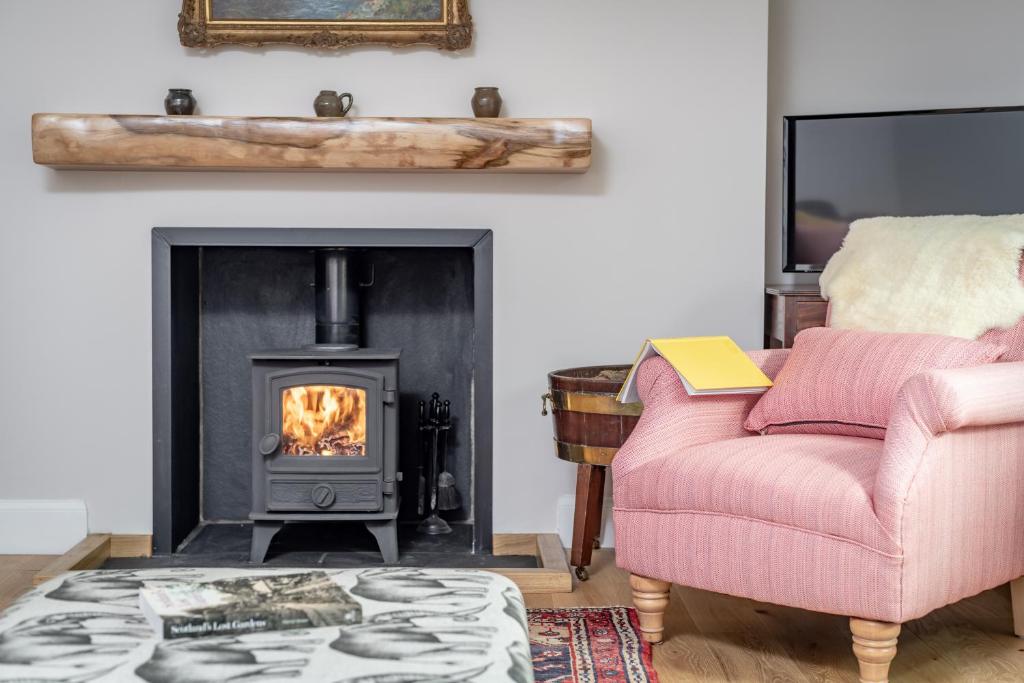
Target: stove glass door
(318, 420)
(323, 421)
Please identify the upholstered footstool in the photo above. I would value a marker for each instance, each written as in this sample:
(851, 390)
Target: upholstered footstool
(418, 625)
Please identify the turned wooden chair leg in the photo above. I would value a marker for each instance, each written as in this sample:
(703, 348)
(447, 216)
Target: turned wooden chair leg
(650, 597)
(1017, 601)
(874, 645)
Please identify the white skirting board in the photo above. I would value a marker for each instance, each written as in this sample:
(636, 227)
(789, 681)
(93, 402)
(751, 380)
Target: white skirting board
(566, 512)
(41, 527)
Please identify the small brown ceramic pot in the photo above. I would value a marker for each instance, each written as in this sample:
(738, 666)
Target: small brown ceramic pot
(330, 103)
(179, 101)
(486, 103)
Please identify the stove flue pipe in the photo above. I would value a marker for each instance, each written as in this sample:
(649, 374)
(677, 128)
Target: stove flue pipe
(338, 318)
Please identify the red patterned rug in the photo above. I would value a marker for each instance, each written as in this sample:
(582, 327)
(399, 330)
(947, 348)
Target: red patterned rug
(589, 645)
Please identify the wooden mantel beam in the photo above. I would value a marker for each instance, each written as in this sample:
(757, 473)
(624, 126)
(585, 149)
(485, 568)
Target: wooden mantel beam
(228, 143)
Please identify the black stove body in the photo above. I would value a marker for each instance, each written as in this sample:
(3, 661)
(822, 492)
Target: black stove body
(325, 423)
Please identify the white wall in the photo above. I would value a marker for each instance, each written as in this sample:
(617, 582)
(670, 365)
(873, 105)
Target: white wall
(41, 527)
(662, 237)
(838, 56)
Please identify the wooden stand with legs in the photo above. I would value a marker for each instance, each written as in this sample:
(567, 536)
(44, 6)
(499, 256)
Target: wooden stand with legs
(650, 598)
(586, 527)
(874, 645)
(590, 426)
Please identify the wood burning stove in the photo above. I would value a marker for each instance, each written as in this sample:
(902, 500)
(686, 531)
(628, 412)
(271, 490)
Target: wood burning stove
(325, 423)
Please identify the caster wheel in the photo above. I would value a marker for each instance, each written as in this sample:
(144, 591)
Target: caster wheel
(582, 574)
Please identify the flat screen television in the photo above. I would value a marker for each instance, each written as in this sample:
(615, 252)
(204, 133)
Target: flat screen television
(841, 167)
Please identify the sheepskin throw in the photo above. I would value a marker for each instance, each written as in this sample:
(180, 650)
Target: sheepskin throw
(955, 275)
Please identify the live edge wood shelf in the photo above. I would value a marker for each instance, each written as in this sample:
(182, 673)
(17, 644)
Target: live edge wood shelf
(116, 142)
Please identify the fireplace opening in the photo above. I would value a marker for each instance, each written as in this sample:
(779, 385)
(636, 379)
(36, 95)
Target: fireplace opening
(237, 306)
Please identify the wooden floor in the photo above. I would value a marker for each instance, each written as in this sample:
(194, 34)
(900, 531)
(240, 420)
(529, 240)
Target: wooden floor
(16, 572)
(711, 637)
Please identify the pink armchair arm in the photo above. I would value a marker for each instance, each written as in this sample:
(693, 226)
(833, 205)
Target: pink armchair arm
(932, 405)
(672, 419)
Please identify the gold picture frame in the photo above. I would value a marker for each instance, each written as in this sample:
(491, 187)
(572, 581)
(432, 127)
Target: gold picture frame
(199, 27)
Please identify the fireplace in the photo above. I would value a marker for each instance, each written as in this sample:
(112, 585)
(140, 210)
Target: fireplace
(325, 421)
(264, 337)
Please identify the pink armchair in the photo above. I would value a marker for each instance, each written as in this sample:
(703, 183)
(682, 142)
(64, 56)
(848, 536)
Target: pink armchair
(879, 531)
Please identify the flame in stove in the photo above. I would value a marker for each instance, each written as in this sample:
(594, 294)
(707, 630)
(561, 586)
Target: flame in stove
(323, 421)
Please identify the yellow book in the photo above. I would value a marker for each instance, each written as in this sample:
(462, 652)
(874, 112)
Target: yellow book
(705, 365)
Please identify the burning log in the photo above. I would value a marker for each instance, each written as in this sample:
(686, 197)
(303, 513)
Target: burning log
(338, 441)
(324, 421)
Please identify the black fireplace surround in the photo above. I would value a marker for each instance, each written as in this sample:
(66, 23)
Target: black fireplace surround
(242, 317)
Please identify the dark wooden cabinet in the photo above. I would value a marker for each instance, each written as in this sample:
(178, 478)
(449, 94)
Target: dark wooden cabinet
(789, 309)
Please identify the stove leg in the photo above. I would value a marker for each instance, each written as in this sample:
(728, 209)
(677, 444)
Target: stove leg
(262, 534)
(386, 533)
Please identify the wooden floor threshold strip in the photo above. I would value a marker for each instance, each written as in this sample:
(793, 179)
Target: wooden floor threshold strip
(552, 574)
(90, 553)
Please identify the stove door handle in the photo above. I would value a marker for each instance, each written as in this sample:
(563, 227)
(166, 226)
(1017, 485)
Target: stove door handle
(268, 444)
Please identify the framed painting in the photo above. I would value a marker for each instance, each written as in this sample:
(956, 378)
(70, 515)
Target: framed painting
(445, 24)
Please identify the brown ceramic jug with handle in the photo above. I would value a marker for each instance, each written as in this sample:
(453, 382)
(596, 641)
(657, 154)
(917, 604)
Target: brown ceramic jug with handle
(330, 103)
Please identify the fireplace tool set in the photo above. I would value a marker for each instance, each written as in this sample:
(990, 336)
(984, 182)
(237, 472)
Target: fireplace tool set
(437, 490)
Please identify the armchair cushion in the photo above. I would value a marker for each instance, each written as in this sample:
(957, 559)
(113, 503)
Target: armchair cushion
(785, 519)
(816, 483)
(847, 381)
